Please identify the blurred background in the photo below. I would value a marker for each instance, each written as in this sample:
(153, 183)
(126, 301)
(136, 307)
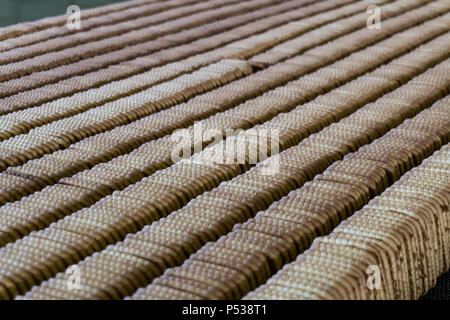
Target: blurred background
(15, 11)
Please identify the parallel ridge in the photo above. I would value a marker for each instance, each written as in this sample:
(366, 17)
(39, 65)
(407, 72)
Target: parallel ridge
(87, 127)
(228, 46)
(408, 220)
(47, 23)
(274, 237)
(45, 69)
(279, 73)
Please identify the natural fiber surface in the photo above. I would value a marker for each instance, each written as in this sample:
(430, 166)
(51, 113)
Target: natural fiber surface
(334, 131)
